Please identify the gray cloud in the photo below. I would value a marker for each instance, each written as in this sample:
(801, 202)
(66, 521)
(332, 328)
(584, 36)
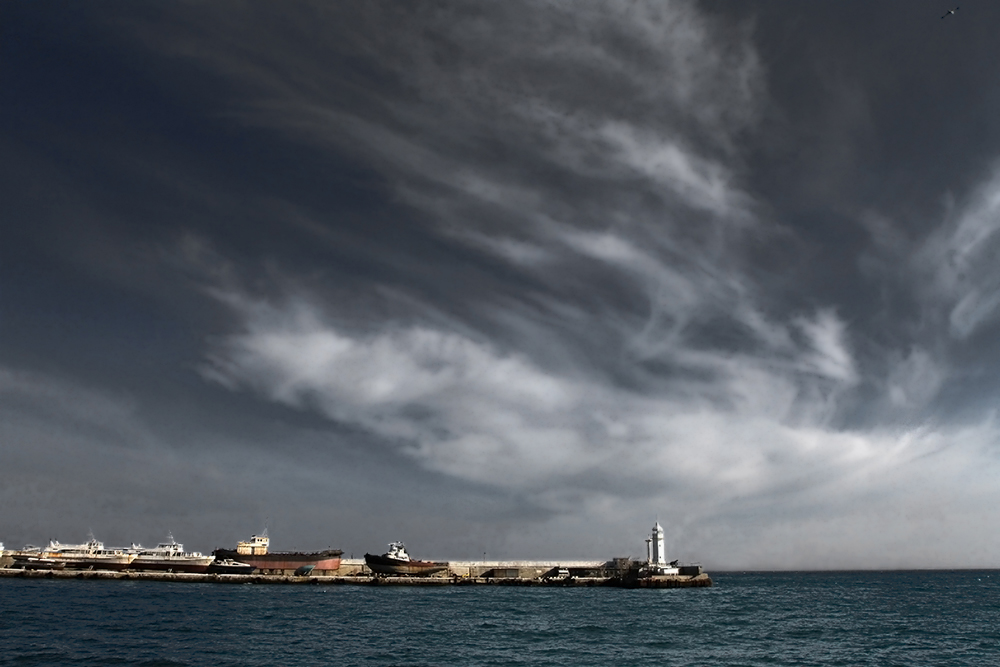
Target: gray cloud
(541, 270)
(600, 204)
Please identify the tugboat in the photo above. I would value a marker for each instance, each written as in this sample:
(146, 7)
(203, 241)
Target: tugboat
(397, 562)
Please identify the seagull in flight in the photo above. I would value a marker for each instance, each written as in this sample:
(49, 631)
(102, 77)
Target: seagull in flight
(949, 12)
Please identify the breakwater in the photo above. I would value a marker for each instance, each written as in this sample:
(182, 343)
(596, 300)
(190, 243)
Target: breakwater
(664, 581)
(252, 563)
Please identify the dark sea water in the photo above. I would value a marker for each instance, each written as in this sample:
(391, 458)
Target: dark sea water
(843, 618)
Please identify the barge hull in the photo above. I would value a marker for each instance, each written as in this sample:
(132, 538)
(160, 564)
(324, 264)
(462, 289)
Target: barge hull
(417, 568)
(323, 560)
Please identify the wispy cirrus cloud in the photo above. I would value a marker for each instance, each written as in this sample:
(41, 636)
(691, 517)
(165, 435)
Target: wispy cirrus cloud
(598, 328)
(960, 256)
(544, 269)
(471, 409)
(748, 440)
(619, 195)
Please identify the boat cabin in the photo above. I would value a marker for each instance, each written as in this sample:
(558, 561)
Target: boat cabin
(255, 546)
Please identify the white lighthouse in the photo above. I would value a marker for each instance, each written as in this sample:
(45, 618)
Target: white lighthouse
(658, 557)
(656, 553)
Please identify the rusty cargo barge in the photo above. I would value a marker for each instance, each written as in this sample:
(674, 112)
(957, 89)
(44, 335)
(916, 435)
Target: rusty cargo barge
(254, 552)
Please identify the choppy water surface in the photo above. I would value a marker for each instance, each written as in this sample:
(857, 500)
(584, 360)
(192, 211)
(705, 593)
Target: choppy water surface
(854, 618)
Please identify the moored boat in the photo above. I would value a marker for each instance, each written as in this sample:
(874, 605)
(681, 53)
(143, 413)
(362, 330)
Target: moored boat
(26, 560)
(397, 562)
(91, 555)
(255, 552)
(230, 566)
(169, 557)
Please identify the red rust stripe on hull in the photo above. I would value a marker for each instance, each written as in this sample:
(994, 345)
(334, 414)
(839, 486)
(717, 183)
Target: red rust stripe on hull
(284, 561)
(289, 564)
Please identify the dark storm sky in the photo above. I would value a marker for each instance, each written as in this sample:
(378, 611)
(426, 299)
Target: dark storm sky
(515, 278)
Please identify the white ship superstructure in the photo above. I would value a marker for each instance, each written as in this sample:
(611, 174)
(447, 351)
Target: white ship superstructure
(170, 556)
(91, 555)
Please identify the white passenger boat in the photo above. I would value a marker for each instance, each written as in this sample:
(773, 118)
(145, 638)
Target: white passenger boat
(91, 555)
(169, 556)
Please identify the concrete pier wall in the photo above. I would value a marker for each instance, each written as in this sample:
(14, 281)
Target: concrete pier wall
(620, 572)
(671, 581)
(501, 569)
